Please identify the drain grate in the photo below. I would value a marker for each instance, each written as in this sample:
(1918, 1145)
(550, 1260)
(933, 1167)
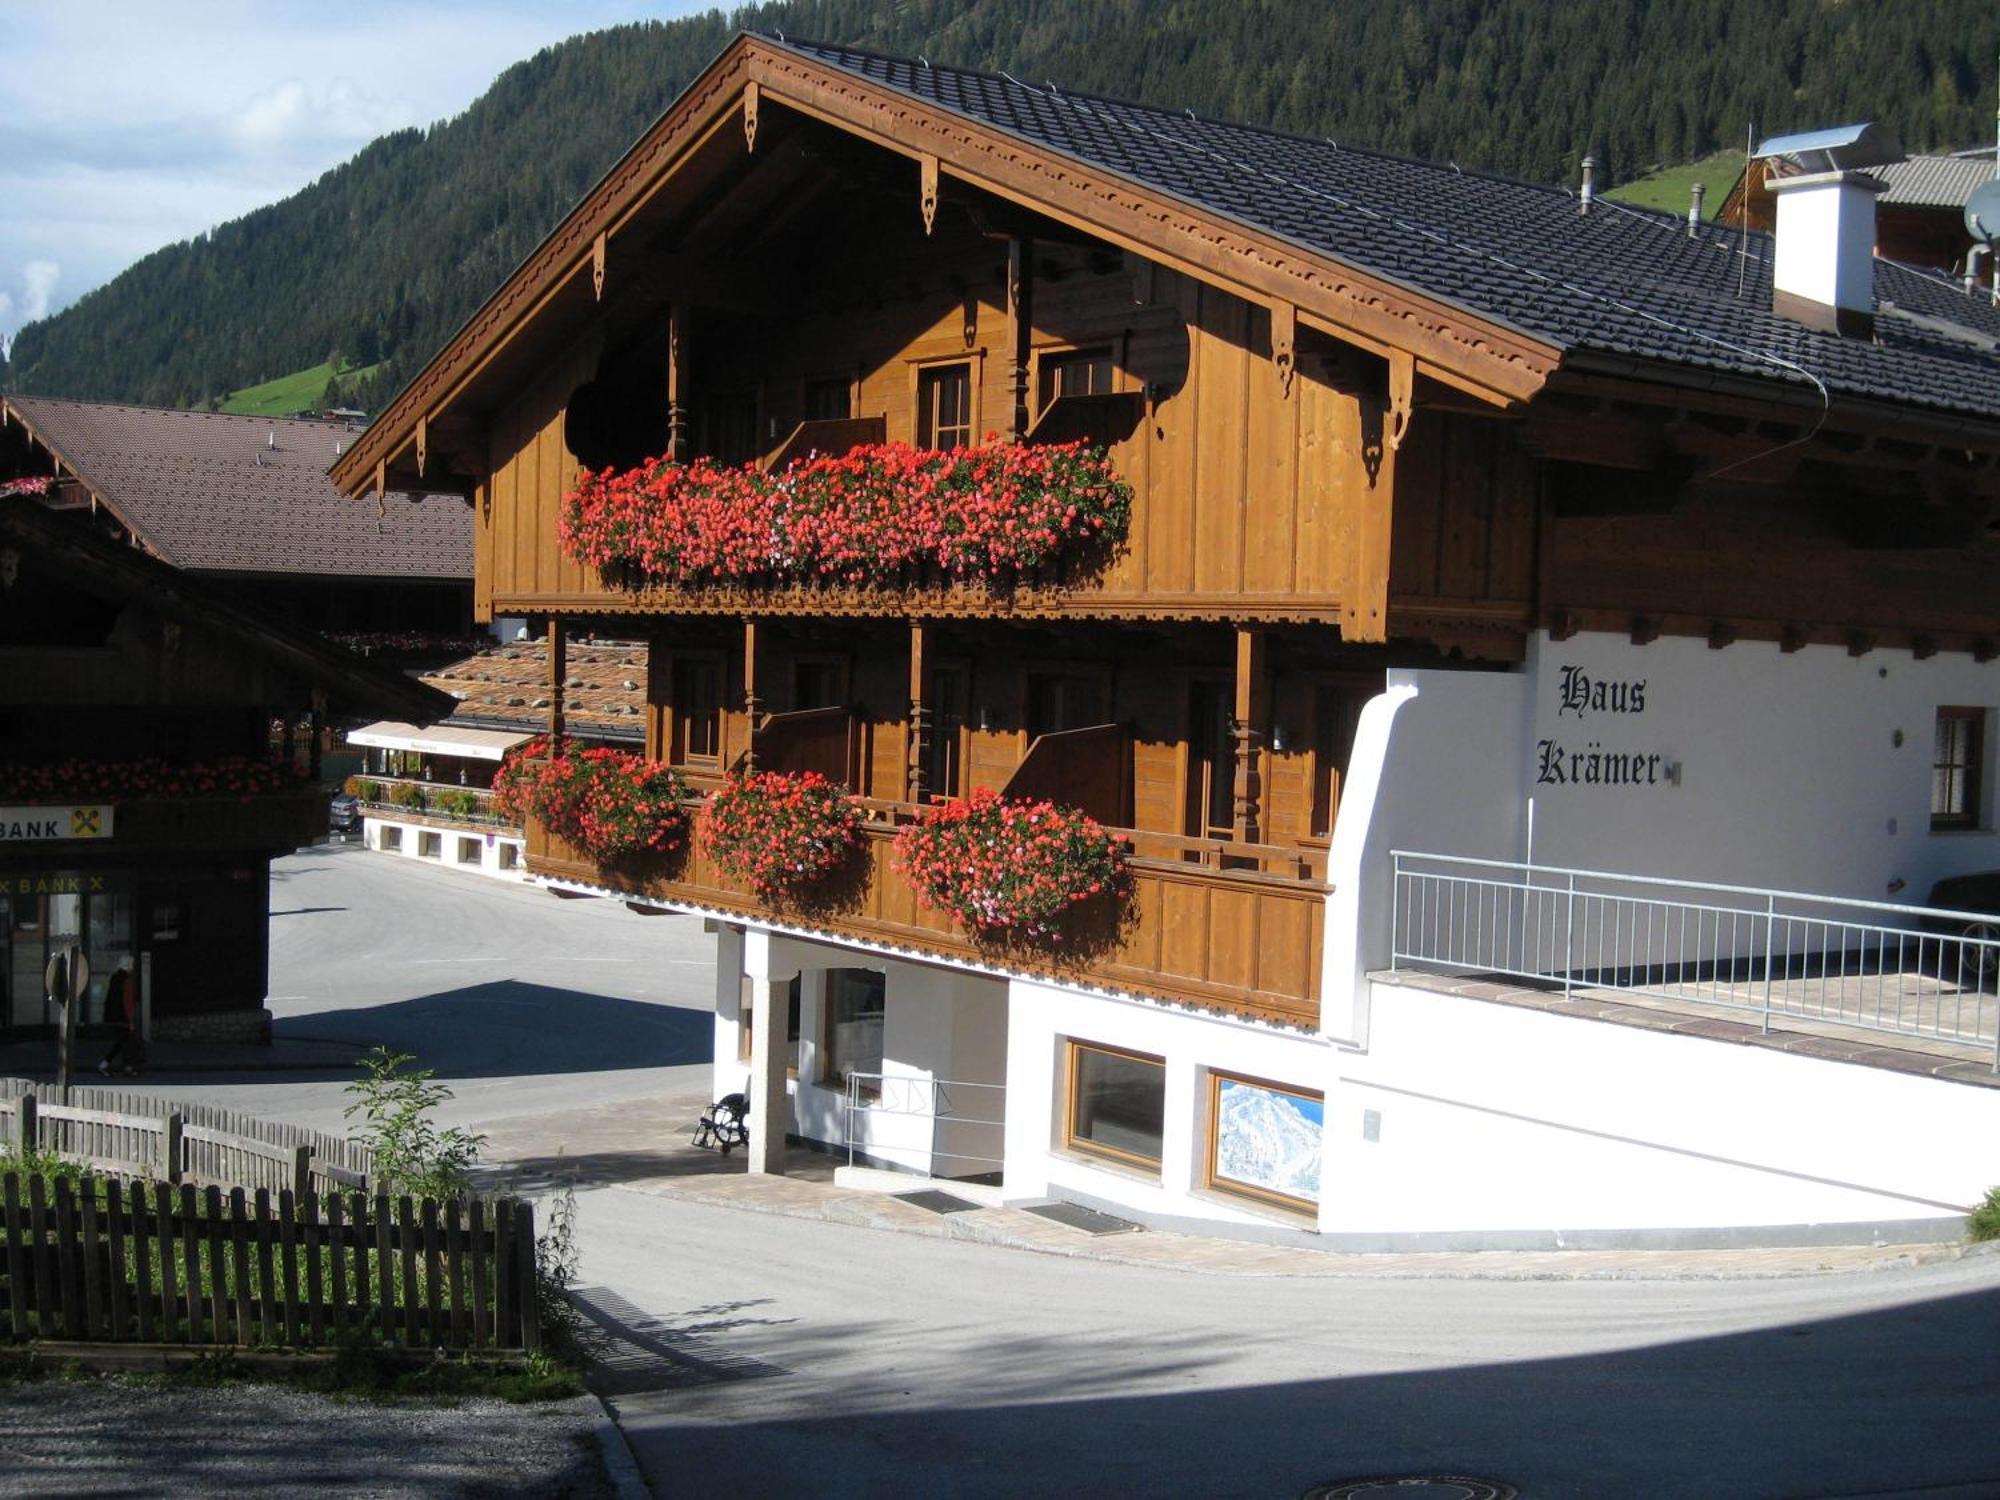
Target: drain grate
(1413, 1487)
(936, 1202)
(1089, 1220)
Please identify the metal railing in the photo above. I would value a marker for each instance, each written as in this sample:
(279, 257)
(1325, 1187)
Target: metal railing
(1875, 965)
(939, 1100)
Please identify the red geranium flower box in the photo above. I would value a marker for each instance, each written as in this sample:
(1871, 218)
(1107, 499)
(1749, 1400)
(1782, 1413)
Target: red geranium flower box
(1009, 867)
(781, 833)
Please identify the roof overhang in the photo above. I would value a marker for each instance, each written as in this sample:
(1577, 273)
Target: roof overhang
(1443, 341)
(438, 739)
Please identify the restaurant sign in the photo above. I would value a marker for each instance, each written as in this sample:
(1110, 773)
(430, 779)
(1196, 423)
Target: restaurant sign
(35, 825)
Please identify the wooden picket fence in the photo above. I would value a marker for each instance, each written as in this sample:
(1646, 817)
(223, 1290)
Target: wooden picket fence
(105, 1258)
(177, 1140)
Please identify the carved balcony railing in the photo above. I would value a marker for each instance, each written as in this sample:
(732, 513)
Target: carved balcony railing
(1231, 927)
(411, 801)
(1081, 768)
(829, 435)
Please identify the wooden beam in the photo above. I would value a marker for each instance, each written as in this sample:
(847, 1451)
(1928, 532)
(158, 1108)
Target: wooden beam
(1720, 634)
(423, 444)
(751, 96)
(1402, 391)
(1284, 344)
(917, 770)
(1020, 327)
(558, 674)
(1645, 630)
(1249, 713)
(676, 384)
(599, 250)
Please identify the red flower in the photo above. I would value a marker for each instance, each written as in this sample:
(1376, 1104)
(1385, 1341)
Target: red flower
(781, 833)
(1009, 867)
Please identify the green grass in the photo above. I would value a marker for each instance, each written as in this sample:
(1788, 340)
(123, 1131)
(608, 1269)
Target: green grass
(299, 391)
(1668, 189)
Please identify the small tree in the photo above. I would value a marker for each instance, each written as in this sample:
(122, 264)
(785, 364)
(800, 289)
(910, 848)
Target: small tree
(412, 1152)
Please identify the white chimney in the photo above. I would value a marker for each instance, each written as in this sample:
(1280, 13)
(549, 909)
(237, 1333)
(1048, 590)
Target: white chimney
(1823, 262)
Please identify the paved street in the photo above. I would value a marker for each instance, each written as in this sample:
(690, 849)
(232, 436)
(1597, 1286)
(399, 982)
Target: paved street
(777, 1353)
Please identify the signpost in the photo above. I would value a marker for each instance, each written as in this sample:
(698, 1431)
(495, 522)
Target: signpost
(67, 979)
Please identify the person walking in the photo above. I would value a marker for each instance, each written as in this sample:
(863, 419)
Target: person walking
(121, 999)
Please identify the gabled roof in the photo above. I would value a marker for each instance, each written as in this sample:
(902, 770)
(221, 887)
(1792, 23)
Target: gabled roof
(87, 560)
(1618, 281)
(218, 492)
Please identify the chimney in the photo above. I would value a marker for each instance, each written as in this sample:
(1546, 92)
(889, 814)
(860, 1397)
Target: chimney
(1589, 194)
(1694, 209)
(1823, 260)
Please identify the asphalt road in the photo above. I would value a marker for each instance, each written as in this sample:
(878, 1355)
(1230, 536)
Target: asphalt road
(817, 1359)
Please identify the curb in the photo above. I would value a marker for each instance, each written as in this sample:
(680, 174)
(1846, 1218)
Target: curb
(626, 1479)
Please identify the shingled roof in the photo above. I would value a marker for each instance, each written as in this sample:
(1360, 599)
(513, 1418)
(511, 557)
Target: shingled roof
(218, 492)
(1618, 282)
(506, 687)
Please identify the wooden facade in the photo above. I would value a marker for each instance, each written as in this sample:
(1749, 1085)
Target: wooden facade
(1331, 474)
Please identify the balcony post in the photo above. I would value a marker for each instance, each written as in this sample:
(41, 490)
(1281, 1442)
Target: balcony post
(1020, 328)
(1249, 715)
(770, 1109)
(917, 778)
(676, 383)
(753, 706)
(558, 673)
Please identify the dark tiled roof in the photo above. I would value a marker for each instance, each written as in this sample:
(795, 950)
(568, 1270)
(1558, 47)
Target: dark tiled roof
(506, 687)
(1619, 281)
(222, 493)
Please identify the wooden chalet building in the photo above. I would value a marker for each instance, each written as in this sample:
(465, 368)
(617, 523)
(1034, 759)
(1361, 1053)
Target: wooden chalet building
(1467, 515)
(141, 797)
(244, 502)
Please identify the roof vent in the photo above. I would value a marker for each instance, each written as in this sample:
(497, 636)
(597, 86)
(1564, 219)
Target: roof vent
(1823, 261)
(1694, 208)
(1589, 194)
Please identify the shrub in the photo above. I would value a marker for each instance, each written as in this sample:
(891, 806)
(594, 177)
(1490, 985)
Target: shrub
(779, 832)
(860, 517)
(367, 790)
(609, 803)
(1983, 1223)
(407, 794)
(413, 1154)
(1007, 867)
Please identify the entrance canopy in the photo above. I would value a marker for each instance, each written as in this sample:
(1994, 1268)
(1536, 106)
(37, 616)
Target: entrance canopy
(438, 739)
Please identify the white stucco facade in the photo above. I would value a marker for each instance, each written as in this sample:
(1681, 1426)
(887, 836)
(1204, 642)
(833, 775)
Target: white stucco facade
(500, 854)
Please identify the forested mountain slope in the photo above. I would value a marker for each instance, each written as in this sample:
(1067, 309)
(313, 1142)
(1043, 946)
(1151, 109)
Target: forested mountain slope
(384, 257)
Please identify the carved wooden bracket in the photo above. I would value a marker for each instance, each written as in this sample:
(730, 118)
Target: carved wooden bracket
(1984, 650)
(1402, 390)
(1562, 625)
(750, 99)
(927, 189)
(598, 248)
(1860, 642)
(1645, 630)
(423, 444)
(381, 488)
(1923, 647)
(1284, 344)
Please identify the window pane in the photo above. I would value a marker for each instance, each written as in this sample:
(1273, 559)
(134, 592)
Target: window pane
(1119, 1104)
(698, 708)
(855, 1003)
(944, 407)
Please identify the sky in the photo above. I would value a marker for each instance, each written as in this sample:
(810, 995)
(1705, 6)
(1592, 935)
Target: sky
(126, 125)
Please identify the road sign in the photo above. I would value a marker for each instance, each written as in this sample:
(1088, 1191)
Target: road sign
(67, 976)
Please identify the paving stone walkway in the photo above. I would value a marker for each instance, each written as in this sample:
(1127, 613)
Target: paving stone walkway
(643, 1147)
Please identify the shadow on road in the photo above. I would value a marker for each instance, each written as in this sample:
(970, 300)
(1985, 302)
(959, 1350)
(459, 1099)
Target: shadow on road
(1896, 1402)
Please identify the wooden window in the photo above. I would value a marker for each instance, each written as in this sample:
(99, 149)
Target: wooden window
(851, 1036)
(1211, 759)
(747, 1028)
(944, 406)
(1067, 700)
(1955, 767)
(697, 708)
(819, 681)
(1074, 372)
(829, 400)
(1264, 1141)
(949, 704)
(1117, 1104)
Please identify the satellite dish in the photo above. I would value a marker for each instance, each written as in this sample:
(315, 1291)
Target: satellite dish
(1982, 212)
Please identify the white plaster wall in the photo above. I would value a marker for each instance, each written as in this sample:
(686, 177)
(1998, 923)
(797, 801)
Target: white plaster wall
(490, 845)
(1497, 1118)
(1790, 775)
(1043, 1017)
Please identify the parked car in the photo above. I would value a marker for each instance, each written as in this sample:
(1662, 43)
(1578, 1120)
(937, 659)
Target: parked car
(344, 815)
(1978, 895)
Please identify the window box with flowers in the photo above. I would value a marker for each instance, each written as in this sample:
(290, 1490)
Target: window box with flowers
(1009, 869)
(881, 514)
(610, 804)
(781, 834)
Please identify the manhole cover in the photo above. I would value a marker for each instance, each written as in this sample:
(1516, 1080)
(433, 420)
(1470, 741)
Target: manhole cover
(1413, 1487)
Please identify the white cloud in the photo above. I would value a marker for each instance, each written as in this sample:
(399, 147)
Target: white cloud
(38, 277)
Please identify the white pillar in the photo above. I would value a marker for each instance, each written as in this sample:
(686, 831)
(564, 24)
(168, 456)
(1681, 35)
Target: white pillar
(770, 1106)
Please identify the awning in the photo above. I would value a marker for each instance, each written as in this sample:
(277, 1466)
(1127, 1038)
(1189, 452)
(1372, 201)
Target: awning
(438, 739)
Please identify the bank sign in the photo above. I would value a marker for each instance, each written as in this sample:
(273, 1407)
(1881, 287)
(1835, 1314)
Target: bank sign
(39, 825)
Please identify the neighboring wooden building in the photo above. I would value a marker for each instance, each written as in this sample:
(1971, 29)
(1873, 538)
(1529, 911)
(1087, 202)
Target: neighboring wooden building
(244, 501)
(1394, 432)
(1920, 219)
(140, 800)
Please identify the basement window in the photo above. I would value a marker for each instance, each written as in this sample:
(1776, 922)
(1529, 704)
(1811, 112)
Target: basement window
(1117, 1105)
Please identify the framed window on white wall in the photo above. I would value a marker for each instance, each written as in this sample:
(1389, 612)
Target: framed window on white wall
(1957, 768)
(1265, 1141)
(1116, 1104)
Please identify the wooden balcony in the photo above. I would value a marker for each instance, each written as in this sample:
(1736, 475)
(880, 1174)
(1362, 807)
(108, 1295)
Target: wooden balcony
(1230, 927)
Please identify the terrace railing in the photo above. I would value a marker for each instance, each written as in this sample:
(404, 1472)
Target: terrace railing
(1911, 971)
